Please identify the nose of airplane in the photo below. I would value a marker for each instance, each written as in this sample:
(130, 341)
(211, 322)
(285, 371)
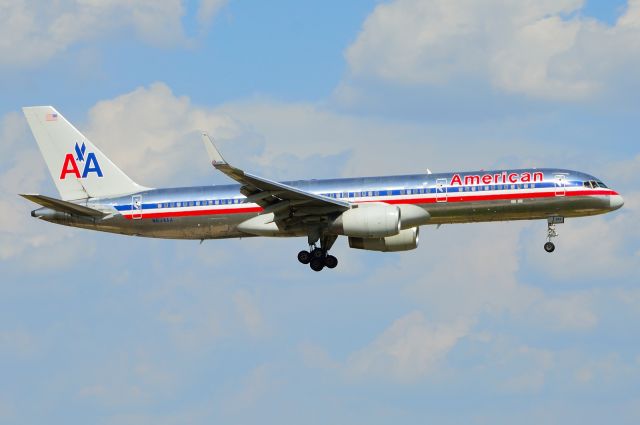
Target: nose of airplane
(615, 202)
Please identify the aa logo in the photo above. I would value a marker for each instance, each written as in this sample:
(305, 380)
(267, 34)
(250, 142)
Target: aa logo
(86, 159)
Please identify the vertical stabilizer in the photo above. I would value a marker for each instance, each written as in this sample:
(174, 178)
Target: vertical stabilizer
(78, 168)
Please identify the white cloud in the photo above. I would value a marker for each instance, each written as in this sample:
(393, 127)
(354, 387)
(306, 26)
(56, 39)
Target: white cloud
(408, 350)
(17, 342)
(127, 378)
(208, 9)
(469, 270)
(566, 313)
(255, 386)
(249, 312)
(607, 370)
(153, 134)
(603, 247)
(32, 32)
(22, 170)
(532, 366)
(315, 356)
(542, 49)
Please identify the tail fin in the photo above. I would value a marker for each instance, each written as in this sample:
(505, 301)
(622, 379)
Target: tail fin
(78, 168)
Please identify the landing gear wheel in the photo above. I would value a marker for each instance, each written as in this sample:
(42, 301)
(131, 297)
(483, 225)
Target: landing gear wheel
(304, 257)
(317, 253)
(316, 264)
(331, 261)
(549, 247)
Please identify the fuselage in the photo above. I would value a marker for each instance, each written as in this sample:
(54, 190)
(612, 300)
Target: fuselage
(211, 212)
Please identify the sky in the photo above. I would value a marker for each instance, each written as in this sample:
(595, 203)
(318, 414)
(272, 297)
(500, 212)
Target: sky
(478, 325)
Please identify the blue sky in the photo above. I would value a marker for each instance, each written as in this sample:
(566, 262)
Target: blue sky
(478, 325)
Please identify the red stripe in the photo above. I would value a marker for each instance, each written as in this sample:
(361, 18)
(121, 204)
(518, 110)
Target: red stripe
(501, 196)
(431, 200)
(198, 212)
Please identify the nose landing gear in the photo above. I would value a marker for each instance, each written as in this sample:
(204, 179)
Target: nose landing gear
(551, 232)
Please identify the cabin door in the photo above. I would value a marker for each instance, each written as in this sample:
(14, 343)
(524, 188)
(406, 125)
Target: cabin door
(561, 185)
(136, 207)
(441, 190)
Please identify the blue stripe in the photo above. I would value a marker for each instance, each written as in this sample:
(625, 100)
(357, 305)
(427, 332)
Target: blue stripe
(395, 192)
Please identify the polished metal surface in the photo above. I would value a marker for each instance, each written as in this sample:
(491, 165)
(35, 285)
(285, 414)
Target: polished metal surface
(566, 196)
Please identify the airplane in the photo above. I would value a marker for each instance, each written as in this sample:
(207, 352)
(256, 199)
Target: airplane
(374, 213)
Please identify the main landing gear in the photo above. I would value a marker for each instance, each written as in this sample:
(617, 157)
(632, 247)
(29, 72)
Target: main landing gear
(551, 232)
(319, 258)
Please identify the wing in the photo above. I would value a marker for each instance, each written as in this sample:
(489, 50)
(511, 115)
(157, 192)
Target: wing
(291, 206)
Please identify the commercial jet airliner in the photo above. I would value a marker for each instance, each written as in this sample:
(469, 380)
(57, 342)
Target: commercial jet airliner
(374, 213)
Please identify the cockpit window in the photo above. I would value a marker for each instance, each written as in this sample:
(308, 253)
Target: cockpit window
(592, 184)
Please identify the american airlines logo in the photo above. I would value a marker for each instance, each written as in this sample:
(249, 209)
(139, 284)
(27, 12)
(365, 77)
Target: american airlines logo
(504, 177)
(86, 159)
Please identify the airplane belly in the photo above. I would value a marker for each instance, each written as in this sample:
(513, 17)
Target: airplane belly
(197, 227)
(515, 209)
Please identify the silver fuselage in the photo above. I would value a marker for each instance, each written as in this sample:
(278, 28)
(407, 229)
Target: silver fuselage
(212, 212)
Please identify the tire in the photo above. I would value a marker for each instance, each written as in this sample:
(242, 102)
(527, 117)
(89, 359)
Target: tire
(331, 261)
(549, 247)
(304, 257)
(316, 264)
(317, 253)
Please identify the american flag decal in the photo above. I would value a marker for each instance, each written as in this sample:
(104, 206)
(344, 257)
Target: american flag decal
(51, 117)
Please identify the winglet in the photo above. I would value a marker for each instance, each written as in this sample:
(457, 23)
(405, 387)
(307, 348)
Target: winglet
(212, 150)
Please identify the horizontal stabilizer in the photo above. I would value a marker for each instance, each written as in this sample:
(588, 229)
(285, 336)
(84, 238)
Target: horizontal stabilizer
(63, 206)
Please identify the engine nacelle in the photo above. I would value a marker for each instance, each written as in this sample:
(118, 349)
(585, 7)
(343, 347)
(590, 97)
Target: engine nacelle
(369, 221)
(404, 241)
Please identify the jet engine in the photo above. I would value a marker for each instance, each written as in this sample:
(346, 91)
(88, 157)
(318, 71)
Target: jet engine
(369, 221)
(404, 241)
